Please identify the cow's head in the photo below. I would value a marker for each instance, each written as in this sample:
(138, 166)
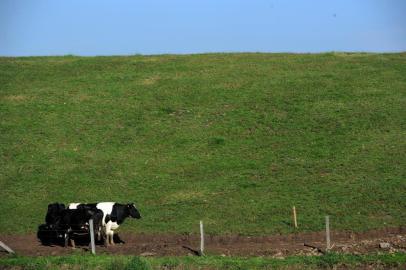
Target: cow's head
(56, 207)
(54, 211)
(133, 211)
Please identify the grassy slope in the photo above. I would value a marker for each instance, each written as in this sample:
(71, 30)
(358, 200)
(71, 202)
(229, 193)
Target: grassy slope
(233, 139)
(329, 261)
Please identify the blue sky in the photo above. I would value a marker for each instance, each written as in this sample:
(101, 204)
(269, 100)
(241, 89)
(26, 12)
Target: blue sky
(122, 27)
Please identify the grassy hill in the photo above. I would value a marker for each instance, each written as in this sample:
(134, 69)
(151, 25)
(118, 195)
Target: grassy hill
(233, 139)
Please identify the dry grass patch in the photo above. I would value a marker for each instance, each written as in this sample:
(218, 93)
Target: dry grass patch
(82, 97)
(151, 80)
(15, 98)
(185, 195)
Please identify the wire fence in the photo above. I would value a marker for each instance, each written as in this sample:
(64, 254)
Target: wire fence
(67, 227)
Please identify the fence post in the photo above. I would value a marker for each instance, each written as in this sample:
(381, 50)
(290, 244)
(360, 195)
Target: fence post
(328, 233)
(201, 239)
(6, 248)
(294, 217)
(92, 244)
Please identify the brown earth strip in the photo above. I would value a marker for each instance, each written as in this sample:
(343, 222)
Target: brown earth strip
(227, 245)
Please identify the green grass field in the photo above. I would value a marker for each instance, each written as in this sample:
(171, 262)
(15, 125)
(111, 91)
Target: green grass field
(233, 139)
(329, 261)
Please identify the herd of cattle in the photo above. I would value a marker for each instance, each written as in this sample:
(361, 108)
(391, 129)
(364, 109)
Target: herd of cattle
(65, 224)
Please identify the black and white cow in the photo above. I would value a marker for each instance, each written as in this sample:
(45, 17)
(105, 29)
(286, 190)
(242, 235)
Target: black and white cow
(114, 215)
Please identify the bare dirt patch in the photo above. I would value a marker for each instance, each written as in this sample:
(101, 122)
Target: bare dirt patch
(394, 240)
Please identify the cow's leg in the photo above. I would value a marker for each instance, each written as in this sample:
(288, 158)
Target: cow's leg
(108, 233)
(112, 237)
(103, 235)
(72, 243)
(66, 238)
(71, 240)
(98, 233)
(106, 238)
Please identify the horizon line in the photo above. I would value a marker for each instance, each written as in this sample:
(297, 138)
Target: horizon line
(205, 53)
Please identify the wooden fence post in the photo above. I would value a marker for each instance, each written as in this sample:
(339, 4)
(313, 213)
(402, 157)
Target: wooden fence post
(328, 244)
(201, 239)
(92, 244)
(6, 248)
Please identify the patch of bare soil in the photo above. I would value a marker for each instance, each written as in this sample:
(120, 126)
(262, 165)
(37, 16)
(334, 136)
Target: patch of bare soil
(383, 240)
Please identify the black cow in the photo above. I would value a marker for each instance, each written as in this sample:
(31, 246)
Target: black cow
(54, 213)
(74, 222)
(48, 233)
(63, 224)
(97, 216)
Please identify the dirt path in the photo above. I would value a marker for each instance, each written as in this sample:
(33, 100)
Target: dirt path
(181, 245)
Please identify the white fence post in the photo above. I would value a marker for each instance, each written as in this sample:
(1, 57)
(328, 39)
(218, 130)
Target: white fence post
(328, 233)
(6, 248)
(92, 244)
(201, 239)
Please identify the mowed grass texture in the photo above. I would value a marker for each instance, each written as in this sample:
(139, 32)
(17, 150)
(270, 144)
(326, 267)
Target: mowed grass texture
(234, 140)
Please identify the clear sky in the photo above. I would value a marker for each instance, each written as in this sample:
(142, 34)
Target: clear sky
(122, 27)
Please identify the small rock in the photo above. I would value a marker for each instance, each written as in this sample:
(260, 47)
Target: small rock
(384, 245)
(352, 236)
(278, 255)
(147, 254)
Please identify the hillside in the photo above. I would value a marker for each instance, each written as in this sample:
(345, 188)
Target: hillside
(232, 139)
